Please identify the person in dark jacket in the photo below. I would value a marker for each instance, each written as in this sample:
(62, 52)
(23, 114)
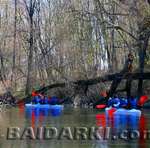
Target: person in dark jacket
(53, 100)
(43, 100)
(36, 99)
(114, 102)
(102, 98)
(132, 102)
(123, 102)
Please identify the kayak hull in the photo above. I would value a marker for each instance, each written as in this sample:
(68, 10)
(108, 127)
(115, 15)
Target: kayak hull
(121, 111)
(44, 106)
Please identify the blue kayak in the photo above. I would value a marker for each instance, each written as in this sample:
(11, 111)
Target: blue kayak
(122, 111)
(43, 106)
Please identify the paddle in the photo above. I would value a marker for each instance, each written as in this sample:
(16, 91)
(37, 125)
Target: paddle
(101, 106)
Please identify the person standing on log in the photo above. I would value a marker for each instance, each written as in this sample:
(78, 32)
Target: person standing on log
(128, 68)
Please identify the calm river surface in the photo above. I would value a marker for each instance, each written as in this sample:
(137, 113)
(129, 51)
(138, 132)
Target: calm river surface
(17, 117)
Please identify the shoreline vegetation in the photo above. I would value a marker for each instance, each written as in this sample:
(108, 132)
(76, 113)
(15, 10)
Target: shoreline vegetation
(74, 49)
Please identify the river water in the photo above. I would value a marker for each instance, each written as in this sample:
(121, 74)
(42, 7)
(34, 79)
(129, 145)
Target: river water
(71, 119)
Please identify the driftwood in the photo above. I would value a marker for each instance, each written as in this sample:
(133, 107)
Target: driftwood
(83, 83)
(134, 76)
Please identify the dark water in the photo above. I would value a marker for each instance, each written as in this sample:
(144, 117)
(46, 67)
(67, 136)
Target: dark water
(71, 118)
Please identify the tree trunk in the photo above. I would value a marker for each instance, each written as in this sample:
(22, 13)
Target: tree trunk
(30, 56)
(14, 49)
(143, 45)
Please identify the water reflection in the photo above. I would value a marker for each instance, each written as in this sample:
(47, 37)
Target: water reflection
(73, 118)
(142, 127)
(38, 112)
(120, 123)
